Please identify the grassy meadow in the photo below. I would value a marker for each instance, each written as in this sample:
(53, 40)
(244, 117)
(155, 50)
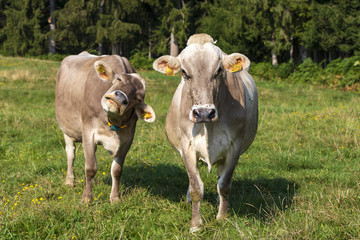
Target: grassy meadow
(300, 179)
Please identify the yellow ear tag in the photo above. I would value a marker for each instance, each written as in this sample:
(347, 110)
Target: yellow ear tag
(102, 73)
(237, 67)
(169, 71)
(146, 115)
(101, 69)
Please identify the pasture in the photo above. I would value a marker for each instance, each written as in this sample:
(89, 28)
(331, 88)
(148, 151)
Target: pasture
(300, 179)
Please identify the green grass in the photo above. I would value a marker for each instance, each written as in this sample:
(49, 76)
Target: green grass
(299, 180)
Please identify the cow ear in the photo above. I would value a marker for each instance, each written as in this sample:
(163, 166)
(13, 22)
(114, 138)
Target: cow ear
(236, 62)
(168, 65)
(145, 112)
(104, 71)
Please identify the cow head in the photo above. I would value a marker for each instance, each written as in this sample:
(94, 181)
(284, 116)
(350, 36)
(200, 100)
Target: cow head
(127, 92)
(203, 69)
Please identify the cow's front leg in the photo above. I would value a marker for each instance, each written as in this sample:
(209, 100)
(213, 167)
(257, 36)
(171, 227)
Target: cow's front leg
(90, 168)
(196, 190)
(116, 170)
(225, 172)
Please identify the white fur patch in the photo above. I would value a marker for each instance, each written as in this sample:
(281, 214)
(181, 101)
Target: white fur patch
(109, 142)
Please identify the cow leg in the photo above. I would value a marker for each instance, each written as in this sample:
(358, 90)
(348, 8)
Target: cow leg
(196, 191)
(225, 171)
(116, 170)
(90, 169)
(70, 154)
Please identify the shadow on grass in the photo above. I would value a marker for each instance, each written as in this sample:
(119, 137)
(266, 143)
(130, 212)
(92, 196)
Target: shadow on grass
(166, 180)
(260, 198)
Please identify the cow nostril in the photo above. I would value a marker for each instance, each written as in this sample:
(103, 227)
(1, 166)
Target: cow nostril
(117, 93)
(212, 114)
(203, 114)
(125, 102)
(196, 113)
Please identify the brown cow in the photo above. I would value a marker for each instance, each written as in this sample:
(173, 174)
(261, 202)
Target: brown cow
(213, 114)
(98, 101)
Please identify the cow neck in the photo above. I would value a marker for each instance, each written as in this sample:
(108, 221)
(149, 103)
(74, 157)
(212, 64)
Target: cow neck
(123, 124)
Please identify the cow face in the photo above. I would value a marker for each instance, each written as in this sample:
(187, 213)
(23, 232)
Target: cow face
(127, 92)
(203, 69)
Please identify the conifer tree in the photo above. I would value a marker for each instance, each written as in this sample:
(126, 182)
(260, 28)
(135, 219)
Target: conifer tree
(73, 20)
(25, 30)
(264, 30)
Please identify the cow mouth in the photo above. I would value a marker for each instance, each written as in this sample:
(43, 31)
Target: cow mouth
(113, 102)
(116, 102)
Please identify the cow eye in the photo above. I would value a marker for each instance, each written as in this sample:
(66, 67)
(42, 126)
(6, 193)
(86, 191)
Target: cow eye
(218, 72)
(184, 74)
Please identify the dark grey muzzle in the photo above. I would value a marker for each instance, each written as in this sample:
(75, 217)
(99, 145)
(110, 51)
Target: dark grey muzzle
(206, 113)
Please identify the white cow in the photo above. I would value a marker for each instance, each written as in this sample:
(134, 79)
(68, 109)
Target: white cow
(213, 115)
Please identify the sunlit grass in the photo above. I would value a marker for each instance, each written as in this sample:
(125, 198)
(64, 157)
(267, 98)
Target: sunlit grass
(299, 180)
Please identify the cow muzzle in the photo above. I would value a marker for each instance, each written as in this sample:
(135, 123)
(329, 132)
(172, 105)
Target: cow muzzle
(117, 101)
(203, 113)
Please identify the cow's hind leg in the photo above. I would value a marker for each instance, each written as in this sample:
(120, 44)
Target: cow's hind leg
(195, 191)
(70, 154)
(225, 171)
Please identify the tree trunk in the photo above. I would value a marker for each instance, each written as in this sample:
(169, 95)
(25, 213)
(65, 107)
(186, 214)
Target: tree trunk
(115, 49)
(331, 54)
(174, 45)
(122, 49)
(303, 53)
(274, 59)
(291, 49)
(273, 54)
(52, 28)
(150, 43)
(100, 46)
(100, 49)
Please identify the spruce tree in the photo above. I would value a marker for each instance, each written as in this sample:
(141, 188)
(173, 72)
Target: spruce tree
(25, 29)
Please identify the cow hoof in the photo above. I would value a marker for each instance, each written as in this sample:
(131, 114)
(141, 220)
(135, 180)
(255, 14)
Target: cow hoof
(114, 200)
(194, 230)
(86, 200)
(71, 185)
(69, 182)
(221, 216)
(195, 225)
